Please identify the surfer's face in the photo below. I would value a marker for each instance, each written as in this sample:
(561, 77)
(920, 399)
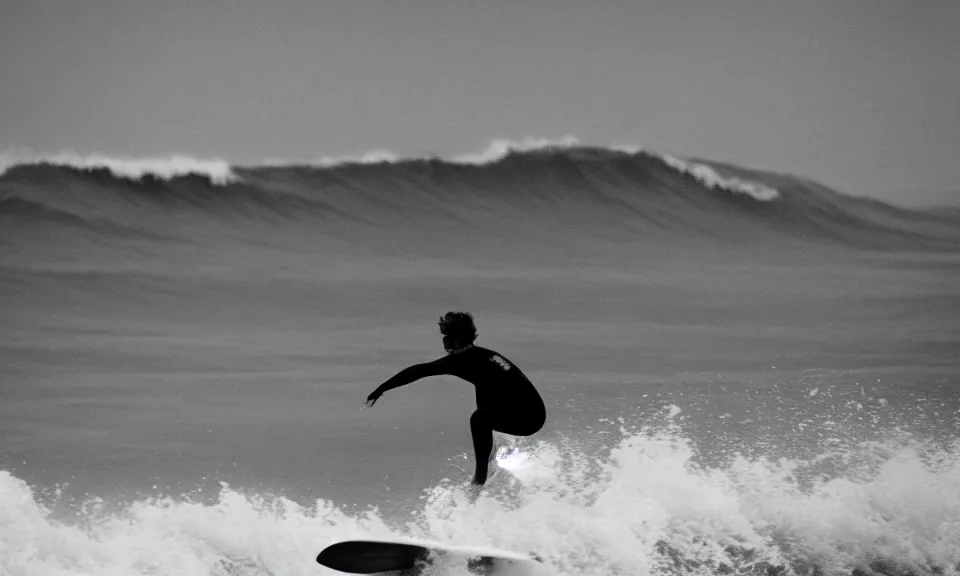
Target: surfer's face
(448, 344)
(451, 345)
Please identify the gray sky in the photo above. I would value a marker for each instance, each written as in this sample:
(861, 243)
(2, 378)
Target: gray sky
(863, 95)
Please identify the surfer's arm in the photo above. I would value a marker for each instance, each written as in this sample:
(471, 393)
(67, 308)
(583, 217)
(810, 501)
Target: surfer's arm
(414, 373)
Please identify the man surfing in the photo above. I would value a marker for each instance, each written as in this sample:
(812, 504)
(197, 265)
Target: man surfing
(506, 399)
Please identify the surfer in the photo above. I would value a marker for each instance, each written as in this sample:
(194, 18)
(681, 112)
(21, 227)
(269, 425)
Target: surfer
(506, 399)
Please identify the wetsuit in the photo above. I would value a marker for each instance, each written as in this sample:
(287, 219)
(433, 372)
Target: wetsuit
(506, 399)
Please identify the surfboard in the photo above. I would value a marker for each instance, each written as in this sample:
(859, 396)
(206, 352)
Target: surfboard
(410, 556)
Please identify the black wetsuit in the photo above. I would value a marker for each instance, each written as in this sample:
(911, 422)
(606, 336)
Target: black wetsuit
(506, 399)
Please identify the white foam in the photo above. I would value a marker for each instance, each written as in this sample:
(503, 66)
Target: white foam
(511, 459)
(371, 157)
(711, 179)
(635, 509)
(499, 148)
(495, 151)
(166, 167)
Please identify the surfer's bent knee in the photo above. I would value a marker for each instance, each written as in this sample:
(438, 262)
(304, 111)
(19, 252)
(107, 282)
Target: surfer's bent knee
(513, 420)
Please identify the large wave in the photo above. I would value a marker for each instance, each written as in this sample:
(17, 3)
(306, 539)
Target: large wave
(528, 187)
(646, 505)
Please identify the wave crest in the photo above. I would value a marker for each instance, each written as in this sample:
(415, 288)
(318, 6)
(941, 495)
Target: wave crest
(500, 148)
(615, 192)
(221, 172)
(165, 167)
(711, 179)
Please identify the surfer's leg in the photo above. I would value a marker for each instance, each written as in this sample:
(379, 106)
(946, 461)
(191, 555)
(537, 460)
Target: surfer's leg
(517, 422)
(482, 431)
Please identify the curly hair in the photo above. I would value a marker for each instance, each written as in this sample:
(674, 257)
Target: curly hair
(458, 327)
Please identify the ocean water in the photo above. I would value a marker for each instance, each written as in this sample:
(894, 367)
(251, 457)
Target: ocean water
(745, 372)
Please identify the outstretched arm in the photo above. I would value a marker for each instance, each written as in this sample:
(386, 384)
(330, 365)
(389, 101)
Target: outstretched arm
(408, 375)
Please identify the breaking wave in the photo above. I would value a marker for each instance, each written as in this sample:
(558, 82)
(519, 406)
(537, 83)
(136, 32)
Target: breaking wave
(645, 505)
(709, 177)
(166, 167)
(528, 188)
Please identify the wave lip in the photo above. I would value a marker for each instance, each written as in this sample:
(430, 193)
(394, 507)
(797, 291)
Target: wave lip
(711, 179)
(500, 148)
(165, 167)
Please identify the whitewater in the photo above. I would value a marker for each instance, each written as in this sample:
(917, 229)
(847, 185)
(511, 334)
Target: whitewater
(745, 372)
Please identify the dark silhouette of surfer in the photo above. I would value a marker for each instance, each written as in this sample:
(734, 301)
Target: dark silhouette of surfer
(506, 399)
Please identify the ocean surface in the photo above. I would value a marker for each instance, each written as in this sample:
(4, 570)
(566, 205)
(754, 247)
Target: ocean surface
(745, 372)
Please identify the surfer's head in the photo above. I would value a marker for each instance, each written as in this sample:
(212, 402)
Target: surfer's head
(458, 330)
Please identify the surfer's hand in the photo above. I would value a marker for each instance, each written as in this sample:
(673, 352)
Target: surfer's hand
(372, 398)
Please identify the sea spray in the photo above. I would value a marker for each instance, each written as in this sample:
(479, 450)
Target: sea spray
(641, 507)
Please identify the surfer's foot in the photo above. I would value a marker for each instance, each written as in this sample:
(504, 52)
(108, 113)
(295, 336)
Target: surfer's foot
(472, 491)
(490, 472)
